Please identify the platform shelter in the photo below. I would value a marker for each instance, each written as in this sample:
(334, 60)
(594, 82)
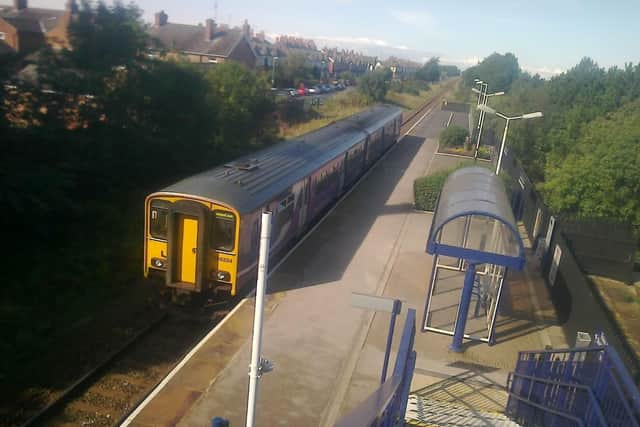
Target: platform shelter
(474, 240)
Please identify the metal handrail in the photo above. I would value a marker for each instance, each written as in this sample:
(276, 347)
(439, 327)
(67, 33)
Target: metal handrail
(565, 350)
(550, 410)
(387, 397)
(629, 396)
(373, 407)
(592, 397)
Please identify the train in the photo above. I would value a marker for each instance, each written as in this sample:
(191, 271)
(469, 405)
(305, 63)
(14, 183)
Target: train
(202, 233)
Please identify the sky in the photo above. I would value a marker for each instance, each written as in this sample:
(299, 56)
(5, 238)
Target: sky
(547, 36)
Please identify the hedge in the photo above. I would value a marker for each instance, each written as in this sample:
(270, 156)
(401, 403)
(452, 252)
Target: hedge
(427, 189)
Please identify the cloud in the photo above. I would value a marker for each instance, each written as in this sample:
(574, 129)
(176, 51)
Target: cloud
(543, 71)
(412, 17)
(461, 62)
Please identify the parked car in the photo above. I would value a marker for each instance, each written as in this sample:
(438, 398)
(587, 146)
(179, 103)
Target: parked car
(293, 92)
(315, 90)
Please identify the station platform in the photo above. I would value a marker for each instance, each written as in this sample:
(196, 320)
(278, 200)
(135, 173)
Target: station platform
(327, 354)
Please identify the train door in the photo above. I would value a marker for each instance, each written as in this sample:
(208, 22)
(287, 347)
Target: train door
(187, 250)
(343, 173)
(304, 205)
(188, 232)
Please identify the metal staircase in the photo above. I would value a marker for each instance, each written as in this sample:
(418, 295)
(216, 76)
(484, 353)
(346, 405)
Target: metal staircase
(426, 412)
(574, 387)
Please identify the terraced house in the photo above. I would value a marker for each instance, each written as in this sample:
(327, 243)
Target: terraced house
(205, 44)
(24, 29)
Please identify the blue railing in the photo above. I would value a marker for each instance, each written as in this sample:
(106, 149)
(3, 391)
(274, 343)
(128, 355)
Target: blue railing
(584, 386)
(386, 406)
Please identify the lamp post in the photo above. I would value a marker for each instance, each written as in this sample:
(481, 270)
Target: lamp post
(483, 99)
(273, 71)
(526, 116)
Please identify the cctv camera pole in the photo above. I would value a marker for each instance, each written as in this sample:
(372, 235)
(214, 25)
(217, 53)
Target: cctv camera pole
(256, 366)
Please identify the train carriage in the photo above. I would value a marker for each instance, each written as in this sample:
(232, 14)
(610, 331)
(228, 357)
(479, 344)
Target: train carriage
(202, 233)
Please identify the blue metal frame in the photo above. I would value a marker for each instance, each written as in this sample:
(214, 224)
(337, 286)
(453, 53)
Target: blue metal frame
(397, 306)
(473, 257)
(589, 384)
(434, 247)
(387, 405)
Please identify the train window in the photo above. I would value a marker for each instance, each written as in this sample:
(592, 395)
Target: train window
(223, 231)
(158, 222)
(285, 210)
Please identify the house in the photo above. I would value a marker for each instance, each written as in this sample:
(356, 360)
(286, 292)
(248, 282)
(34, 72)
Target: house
(25, 29)
(208, 44)
(266, 52)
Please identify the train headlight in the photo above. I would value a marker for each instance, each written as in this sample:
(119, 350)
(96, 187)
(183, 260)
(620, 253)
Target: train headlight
(222, 276)
(158, 263)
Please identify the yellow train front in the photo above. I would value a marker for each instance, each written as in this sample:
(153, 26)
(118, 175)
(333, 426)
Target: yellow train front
(202, 233)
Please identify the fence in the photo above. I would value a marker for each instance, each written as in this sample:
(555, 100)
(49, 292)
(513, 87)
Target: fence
(577, 305)
(386, 406)
(588, 386)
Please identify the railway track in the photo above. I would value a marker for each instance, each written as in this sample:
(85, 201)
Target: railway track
(109, 392)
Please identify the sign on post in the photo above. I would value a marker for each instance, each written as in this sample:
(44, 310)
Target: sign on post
(555, 263)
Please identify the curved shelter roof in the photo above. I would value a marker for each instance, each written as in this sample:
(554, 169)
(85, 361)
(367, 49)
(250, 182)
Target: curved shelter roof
(473, 220)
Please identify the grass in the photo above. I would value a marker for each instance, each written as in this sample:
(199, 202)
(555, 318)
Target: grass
(410, 101)
(623, 302)
(483, 153)
(350, 102)
(333, 108)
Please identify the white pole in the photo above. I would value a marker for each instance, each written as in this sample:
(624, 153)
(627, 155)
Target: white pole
(254, 367)
(483, 101)
(504, 139)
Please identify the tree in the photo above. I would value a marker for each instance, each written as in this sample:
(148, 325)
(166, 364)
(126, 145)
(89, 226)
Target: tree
(453, 136)
(104, 36)
(449, 70)
(293, 70)
(430, 71)
(499, 71)
(373, 86)
(244, 106)
(600, 178)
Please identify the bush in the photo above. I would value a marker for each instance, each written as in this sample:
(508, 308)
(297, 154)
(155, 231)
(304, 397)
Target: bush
(427, 189)
(373, 86)
(453, 136)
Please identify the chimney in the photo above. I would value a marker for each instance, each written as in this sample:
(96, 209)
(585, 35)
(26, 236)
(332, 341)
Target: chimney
(246, 29)
(209, 30)
(19, 4)
(161, 19)
(71, 6)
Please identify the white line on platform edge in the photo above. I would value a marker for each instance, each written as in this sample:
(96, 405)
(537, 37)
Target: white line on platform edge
(197, 347)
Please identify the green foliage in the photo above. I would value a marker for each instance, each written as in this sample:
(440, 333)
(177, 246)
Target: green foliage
(243, 104)
(293, 70)
(426, 190)
(410, 86)
(106, 36)
(600, 177)
(453, 136)
(347, 76)
(499, 71)
(450, 70)
(373, 86)
(430, 71)
(583, 153)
